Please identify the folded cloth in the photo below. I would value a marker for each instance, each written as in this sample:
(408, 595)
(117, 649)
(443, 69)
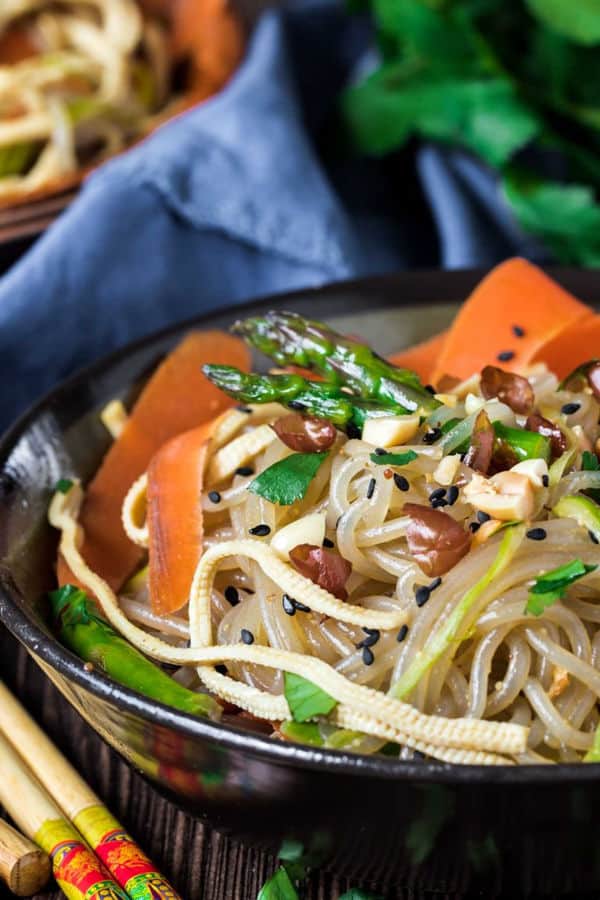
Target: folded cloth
(232, 200)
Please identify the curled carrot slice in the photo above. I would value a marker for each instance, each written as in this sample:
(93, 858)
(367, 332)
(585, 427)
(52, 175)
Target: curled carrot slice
(176, 398)
(508, 318)
(174, 516)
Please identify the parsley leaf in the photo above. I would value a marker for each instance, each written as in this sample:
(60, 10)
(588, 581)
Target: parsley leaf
(287, 480)
(484, 115)
(393, 459)
(580, 23)
(64, 485)
(305, 699)
(565, 216)
(552, 586)
(589, 462)
(278, 887)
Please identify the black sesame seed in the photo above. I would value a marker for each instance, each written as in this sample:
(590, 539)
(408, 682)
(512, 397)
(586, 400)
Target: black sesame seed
(437, 494)
(569, 408)
(297, 405)
(352, 430)
(380, 451)
(288, 605)
(474, 526)
(247, 636)
(430, 388)
(536, 534)
(214, 496)
(221, 669)
(422, 595)
(370, 640)
(402, 634)
(545, 480)
(431, 436)
(452, 495)
(244, 409)
(593, 537)
(483, 517)
(231, 595)
(518, 331)
(436, 504)
(244, 470)
(260, 530)
(401, 482)
(435, 583)
(371, 488)
(367, 656)
(505, 356)
(328, 543)
(301, 607)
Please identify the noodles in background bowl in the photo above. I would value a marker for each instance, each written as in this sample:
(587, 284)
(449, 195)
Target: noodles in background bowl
(80, 80)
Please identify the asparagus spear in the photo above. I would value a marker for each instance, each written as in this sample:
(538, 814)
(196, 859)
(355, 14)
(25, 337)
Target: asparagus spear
(290, 339)
(82, 630)
(316, 398)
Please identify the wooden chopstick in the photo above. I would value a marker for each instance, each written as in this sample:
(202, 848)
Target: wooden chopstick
(23, 867)
(126, 862)
(75, 867)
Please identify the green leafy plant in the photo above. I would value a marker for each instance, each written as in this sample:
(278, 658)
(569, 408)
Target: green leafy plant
(495, 78)
(287, 480)
(305, 699)
(393, 459)
(552, 586)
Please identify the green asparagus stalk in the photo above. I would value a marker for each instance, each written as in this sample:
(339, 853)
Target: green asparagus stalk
(289, 339)
(315, 398)
(81, 629)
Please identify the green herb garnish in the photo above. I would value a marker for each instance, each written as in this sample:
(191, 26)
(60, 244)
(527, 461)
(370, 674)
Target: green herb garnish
(593, 755)
(278, 887)
(552, 586)
(304, 733)
(305, 699)
(63, 485)
(393, 459)
(287, 480)
(589, 462)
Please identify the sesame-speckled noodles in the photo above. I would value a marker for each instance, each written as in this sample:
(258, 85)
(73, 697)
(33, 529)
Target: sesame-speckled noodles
(441, 633)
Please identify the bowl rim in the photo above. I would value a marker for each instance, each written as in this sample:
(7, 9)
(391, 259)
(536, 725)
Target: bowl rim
(69, 667)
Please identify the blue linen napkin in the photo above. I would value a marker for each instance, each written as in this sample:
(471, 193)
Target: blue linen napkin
(240, 197)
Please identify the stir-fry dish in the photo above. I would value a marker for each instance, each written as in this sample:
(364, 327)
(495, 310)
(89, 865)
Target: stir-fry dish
(356, 556)
(79, 80)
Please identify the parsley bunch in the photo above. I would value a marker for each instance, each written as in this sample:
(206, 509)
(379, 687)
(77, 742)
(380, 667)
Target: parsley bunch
(496, 78)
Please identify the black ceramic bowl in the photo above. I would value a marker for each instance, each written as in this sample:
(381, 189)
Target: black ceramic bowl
(519, 831)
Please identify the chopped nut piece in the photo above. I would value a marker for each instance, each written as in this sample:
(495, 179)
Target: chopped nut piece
(446, 470)
(390, 431)
(560, 682)
(505, 496)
